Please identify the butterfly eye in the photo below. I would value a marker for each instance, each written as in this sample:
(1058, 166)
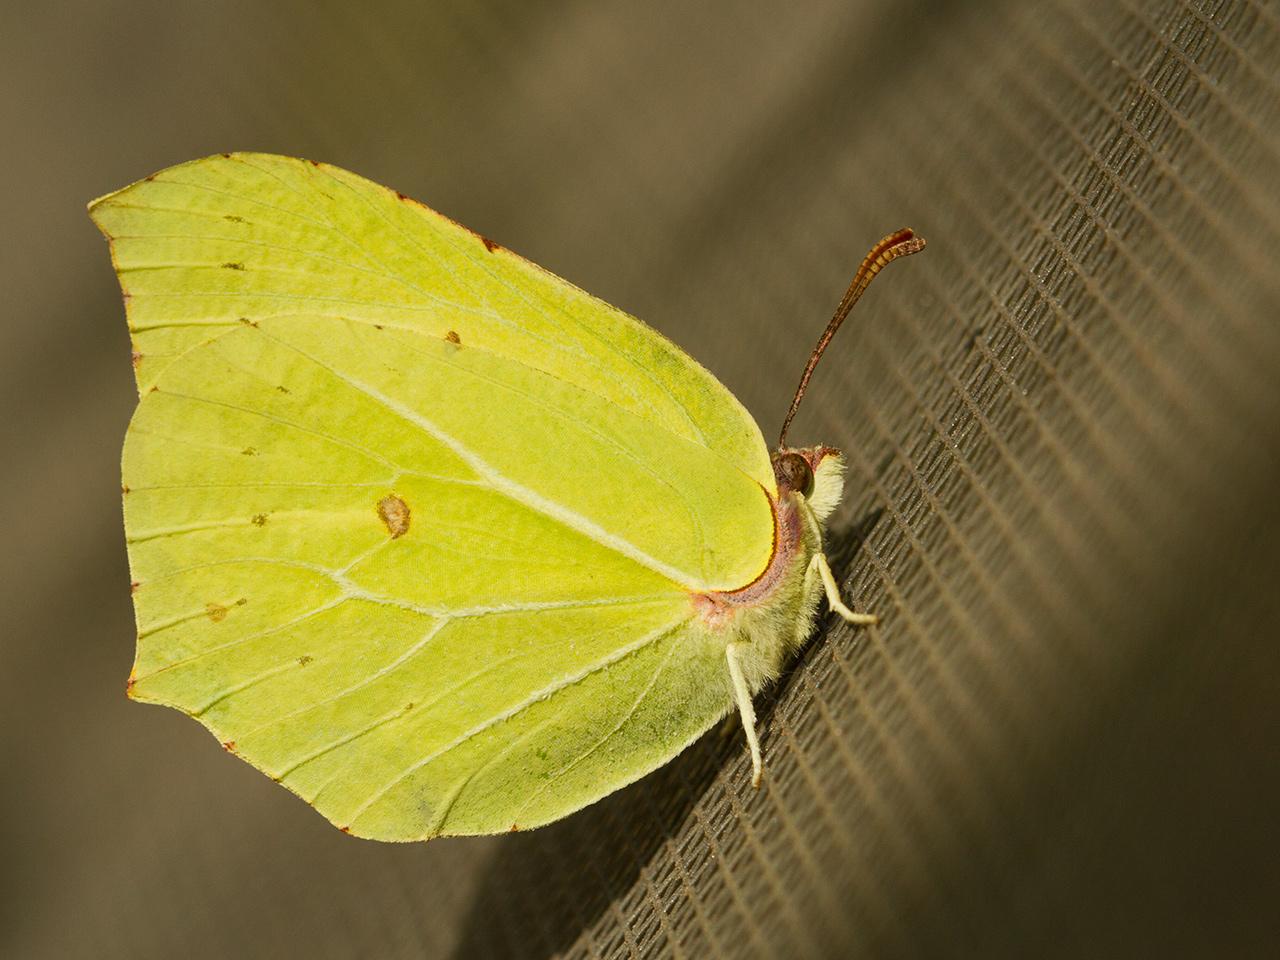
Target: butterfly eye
(792, 472)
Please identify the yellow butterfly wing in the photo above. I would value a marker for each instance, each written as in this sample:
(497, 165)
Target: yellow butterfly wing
(414, 525)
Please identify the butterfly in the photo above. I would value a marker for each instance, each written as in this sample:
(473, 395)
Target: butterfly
(428, 535)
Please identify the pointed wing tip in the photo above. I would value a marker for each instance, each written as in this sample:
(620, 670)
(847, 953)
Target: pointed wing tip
(106, 198)
(95, 209)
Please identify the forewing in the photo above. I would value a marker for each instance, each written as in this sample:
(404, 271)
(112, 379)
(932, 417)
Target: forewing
(428, 588)
(202, 246)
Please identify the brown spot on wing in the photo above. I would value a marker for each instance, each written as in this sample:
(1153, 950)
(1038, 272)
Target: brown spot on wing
(395, 515)
(488, 244)
(229, 746)
(135, 358)
(452, 337)
(217, 612)
(259, 519)
(133, 587)
(305, 659)
(233, 218)
(233, 265)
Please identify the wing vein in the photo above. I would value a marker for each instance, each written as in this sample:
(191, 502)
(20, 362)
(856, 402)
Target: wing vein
(357, 448)
(378, 260)
(453, 240)
(644, 694)
(504, 485)
(603, 438)
(538, 695)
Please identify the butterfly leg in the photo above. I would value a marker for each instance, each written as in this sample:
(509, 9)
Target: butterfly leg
(804, 625)
(742, 696)
(833, 593)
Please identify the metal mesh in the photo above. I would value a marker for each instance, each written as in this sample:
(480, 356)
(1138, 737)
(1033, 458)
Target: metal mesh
(1062, 424)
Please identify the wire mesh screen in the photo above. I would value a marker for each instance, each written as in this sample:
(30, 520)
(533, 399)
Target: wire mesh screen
(1062, 423)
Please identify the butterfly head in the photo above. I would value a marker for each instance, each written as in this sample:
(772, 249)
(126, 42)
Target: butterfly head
(815, 473)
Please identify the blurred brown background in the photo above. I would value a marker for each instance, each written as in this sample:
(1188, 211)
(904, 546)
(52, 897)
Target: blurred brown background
(1062, 420)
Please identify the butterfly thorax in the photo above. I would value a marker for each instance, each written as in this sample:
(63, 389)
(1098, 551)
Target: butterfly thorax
(774, 613)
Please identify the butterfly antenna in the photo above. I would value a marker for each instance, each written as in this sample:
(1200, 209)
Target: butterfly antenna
(900, 243)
